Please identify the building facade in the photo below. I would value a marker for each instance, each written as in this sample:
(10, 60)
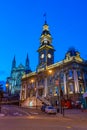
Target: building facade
(67, 78)
(13, 83)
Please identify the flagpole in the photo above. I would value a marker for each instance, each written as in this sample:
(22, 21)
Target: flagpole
(45, 17)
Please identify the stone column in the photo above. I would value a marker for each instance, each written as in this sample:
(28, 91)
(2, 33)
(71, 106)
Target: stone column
(65, 89)
(25, 89)
(21, 93)
(45, 89)
(36, 89)
(76, 82)
(84, 82)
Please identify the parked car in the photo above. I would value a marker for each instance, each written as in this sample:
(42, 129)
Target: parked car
(50, 110)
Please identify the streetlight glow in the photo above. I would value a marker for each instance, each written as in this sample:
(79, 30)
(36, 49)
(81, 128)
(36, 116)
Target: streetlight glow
(50, 71)
(32, 81)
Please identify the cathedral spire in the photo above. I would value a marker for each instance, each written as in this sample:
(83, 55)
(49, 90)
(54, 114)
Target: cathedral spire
(27, 66)
(27, 62)
(14, 63)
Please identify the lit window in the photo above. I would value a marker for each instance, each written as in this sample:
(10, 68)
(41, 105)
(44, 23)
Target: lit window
(86, 76)
(71, 88)
(70, 73)
(79, 74)
(81, 88)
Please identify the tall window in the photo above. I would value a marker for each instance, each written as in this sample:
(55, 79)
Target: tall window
(79, 74)
(50, 91)
(62, 87)
(71, 88)
(70, 73)
(81, 88)
(55, 91)
(86, 75)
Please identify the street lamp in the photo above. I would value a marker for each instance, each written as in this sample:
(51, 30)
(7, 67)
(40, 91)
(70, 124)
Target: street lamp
(50, 71)
(7, 87)
(60, 96)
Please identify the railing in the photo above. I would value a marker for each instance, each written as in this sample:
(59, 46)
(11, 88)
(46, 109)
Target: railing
(44, 100)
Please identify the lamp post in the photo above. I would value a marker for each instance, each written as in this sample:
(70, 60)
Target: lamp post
(60, 97)
(60, 104)
(50, 73)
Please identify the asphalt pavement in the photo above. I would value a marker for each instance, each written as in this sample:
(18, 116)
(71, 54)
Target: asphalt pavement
(72, 114)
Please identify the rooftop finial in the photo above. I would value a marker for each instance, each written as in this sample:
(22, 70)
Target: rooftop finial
(45, 17)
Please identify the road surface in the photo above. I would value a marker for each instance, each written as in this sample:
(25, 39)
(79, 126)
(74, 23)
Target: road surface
(32, 119)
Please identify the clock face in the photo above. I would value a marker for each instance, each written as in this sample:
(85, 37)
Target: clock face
(49, 55)
(42, 55)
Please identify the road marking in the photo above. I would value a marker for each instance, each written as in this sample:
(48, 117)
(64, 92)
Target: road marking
(17, 114)
(19, 110)
(34, 113)
(2, 115)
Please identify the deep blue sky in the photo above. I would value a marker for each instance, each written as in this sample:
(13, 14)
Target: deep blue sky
(21, 24)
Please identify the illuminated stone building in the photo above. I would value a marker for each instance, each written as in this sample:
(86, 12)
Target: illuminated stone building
(14, 81)
(66, 78)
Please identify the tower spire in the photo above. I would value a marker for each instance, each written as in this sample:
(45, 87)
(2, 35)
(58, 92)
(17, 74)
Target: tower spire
(14, 63)
(27, 67)
(46, 37)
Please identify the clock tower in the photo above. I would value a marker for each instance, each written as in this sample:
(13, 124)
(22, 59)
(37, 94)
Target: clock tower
(46, 50)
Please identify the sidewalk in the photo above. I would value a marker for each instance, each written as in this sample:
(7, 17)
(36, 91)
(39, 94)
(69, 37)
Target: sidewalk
(68, 113)
(76, 114)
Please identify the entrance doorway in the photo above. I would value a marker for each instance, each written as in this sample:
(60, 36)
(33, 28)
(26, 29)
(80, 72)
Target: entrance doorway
(40, 91)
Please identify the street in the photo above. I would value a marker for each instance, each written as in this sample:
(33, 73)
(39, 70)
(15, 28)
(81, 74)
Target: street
(16, 118)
